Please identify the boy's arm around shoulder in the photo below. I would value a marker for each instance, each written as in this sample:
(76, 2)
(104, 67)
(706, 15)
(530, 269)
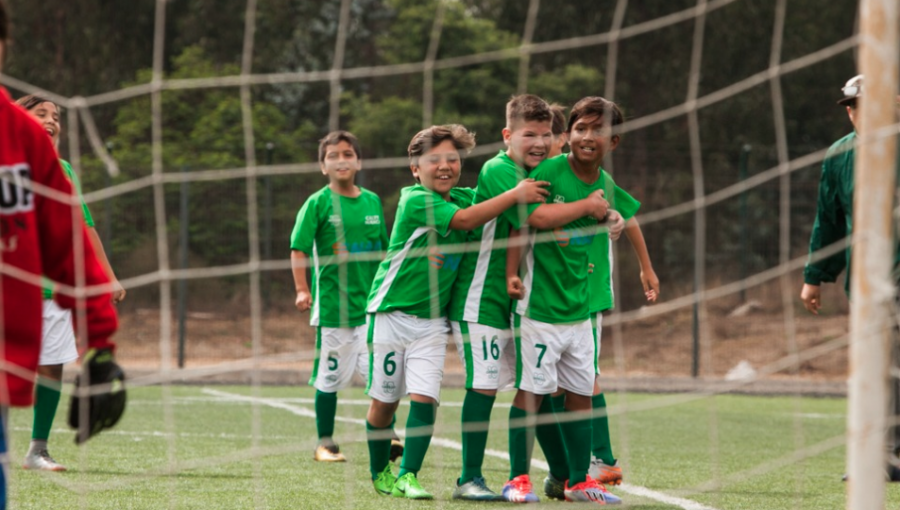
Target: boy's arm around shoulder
(528, 191)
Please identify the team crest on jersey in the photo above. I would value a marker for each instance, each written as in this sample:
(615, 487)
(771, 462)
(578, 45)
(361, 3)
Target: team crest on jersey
(15, 189)
(373, 219)
(559, 199)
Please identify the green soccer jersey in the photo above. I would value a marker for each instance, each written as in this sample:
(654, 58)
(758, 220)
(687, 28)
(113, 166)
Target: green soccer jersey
(88, 219)
(424, 254)
(344, 237)
(555, 262)
(479, 295)
(600, 284)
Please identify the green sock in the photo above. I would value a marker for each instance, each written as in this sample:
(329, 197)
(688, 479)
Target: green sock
(379, 440)
(326, 408)
(601, 445)
(419, 429)
(521, 441)
(577, 438)
(46, 400)
(476, 417)
(549, 436)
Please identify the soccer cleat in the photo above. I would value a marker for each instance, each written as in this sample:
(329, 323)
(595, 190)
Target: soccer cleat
(329, 453)
(396, 449)
(475, 489)
(407, 486)
(589, 491)
(42, 461)
(384, 482)
(554, 488)
(519, 490)
(604, 473)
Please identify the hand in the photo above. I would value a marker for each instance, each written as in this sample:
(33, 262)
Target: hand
(598, 207)
(303, 301)
(651, 284)
(118, 293)
(530, 191)
(514, 287)
(99, 395)
(812, 298)
(615, 224)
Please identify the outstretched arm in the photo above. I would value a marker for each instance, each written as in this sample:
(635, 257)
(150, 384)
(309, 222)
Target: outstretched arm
(648, 277)
(528, 191)
(550, 216)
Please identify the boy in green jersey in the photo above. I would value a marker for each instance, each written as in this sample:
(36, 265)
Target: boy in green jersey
(341, 227)
(480, 306)
(408, 327)
(58, 344)
(553, 334)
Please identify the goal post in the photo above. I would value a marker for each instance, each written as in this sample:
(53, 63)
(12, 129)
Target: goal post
(872, 289)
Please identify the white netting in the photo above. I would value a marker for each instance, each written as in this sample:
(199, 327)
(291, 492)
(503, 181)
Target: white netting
(701, 283)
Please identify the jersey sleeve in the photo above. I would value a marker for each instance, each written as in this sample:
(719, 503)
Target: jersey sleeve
(59, 259)
(626, 204)
(828, 228)
(305, 227)
(428, 209)
(76, 184)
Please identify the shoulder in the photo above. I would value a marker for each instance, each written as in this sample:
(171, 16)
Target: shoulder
(369, 195)
(551, 169)
(463, 196)
(842, 146)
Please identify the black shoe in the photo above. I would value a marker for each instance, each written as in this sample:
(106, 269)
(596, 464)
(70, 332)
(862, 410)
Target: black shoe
(892, 474)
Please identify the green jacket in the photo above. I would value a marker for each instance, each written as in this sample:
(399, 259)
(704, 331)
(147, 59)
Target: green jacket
(834, 214)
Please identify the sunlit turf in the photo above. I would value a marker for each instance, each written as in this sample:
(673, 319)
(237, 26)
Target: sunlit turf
(225, 447)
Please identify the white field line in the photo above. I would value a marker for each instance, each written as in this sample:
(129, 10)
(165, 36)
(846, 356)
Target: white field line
(636, 490)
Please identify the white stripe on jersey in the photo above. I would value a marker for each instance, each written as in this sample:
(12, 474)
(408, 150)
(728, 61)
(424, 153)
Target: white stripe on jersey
(476, 289)
(528, 249)
(314, 315)
(612, 290)
(394, 268)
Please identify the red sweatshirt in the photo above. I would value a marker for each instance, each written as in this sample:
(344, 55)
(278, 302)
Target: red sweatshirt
(36, 237)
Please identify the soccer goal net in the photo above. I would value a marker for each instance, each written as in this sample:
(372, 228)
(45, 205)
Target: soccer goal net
(196, 163)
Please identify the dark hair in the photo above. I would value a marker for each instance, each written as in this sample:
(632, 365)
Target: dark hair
(424, 140)
(559, 119)
(596, 106)
(31, 101)
(336, 137)
(527, 108)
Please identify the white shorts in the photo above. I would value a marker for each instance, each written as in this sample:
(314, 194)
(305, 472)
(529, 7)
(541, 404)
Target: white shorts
(407, 356)
(553, 356)
(597, 327)
(58, 336)
(339, 352)
(483, 351)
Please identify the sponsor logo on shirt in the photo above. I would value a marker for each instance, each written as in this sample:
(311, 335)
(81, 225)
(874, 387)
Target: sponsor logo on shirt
(373, 220)
(335, 219)
(15, 189)
(565, 237)
(441, 260)
(359, 247)
(559, 199)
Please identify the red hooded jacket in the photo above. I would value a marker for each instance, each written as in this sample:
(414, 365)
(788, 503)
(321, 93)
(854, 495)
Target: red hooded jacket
(37, 234)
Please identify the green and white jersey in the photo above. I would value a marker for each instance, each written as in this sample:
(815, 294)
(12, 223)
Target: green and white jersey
(479, 295)
(344, 238)
(88, 219)
(424, 254)
(600, 283)
(555, 262)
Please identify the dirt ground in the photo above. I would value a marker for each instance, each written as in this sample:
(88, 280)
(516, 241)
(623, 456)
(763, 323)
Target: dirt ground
(661, 346)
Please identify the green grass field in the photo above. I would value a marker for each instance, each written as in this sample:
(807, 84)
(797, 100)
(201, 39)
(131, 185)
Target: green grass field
(237, 447)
